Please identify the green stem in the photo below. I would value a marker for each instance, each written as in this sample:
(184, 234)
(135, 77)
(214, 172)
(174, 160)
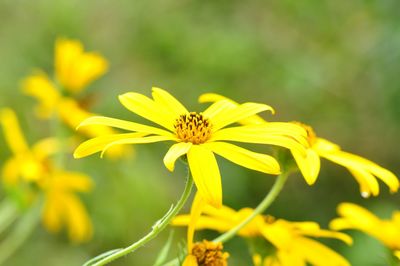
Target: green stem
(20, 233)
(159, 226)
(264, 204)
(8, 214)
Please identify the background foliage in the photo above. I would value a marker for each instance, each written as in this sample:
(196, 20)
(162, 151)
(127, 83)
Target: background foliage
(332, 64)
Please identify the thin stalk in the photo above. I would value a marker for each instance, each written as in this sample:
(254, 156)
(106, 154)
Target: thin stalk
(8, 214)
(159, 226)
(262, 206)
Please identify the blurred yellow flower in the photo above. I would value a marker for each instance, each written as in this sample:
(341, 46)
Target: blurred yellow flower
(74, 69)
(359, 218)
(290, 239)
(198, 135)
(364, 171)
(35, 166)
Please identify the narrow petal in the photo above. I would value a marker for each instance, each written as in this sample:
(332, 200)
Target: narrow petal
(98, 144)
(206, 176)
(135, 140)
(367, 182)
(309, 165)
(190, 260)
(329, 234)
(45, 148)
(195, 213)
(256, 135)
(11, 171)
(72, 181)
(78, 223)
(176, 151)
(122, 124)
(252, 160)
(12, 131)
(147, 108)
(218, 107)
(243, 111)
(169, 102)
(213, 97)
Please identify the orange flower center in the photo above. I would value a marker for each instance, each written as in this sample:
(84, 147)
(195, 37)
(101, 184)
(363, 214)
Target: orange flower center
(210, 254)
(193, 127)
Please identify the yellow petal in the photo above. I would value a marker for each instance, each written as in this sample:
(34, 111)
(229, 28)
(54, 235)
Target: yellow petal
(397, 254)
(176, 151)
(325, 145)
(98, 144)
(190, 260)
(122, 124)
(252, 160)
(12, 131)
(368, 183)
(11, 171)
(80, 228)
(205, 172)
(204, 222)
(135, 140)
(52, 217)
(328, 234)
(240, 112)
(195, 212)
(318, 254)
(45, 148)
(309, 165)
(218, 107)
(169, 102)
(147, 108)
(213, 97)
(40, 87)
(72, 181)
(66, 53)
(259, 135)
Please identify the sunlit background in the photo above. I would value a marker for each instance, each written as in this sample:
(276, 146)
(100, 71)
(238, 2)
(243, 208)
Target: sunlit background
(332, 64)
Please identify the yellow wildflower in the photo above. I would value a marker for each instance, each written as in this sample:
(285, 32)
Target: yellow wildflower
(291, 239)
(197, 135)
(364, 171)
(359, 218)
(74, 69)
(34, 165)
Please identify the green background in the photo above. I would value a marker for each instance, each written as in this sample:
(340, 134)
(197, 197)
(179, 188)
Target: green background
(331, 64)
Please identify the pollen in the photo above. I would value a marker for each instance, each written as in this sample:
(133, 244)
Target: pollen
(210, 254)
(193, 127)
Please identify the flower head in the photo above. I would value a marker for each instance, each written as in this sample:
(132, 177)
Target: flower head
(292, 242)
(359, 218)
(364, 171)
(198, 136)
(34, 166)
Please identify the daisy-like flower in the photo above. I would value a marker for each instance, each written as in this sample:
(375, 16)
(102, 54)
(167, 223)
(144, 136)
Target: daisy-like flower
(364, 171)
(198, 136)
(34, 166)
(353, 216)
(74, 70)
(291, 240)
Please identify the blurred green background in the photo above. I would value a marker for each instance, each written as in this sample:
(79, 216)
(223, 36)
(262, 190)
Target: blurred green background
(332, 64)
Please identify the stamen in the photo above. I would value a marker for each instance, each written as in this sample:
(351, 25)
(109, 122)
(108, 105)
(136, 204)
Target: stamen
(210, 254)
(193, 127)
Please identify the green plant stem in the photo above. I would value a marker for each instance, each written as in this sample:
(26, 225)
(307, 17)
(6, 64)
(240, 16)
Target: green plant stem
(20, 233)
(159, 226)
(8, 214)
(264, 204)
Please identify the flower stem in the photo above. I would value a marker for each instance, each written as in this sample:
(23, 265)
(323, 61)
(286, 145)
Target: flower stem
(264, 204)
(159, 226)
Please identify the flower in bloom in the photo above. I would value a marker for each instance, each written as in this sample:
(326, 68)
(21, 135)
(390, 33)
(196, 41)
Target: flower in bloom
(364, 171)
(356, 217)
(198, 136)
(292, 240)
(34, 166)
(74, 70)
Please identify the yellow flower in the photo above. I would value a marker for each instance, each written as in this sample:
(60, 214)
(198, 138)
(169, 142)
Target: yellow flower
(364, 171)
(291, 239)
(75, 69)
(34, 165)
(359, 218)
(197, 135)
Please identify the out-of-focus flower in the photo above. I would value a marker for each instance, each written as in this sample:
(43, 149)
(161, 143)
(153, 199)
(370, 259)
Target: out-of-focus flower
(198, 136)
(292, 242)
(74, 69)
(359, 218)
(364, 171)
(34, 166)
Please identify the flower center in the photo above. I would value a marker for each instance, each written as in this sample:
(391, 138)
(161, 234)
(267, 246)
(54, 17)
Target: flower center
(193, 127)
(210, 254)
(311, 136)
